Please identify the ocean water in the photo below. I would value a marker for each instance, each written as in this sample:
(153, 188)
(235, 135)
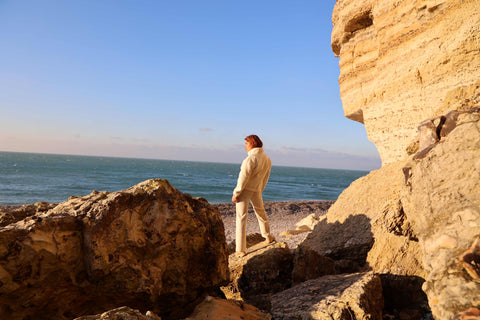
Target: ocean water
(29, 177)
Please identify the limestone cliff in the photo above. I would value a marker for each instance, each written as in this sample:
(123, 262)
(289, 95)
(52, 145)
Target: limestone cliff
(404, 61)
(410, 72)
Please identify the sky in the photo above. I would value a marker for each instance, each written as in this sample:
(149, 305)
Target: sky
(180, 80)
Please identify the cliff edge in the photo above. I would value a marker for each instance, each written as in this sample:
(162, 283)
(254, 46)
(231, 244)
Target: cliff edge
(402, 62)
(410, 73)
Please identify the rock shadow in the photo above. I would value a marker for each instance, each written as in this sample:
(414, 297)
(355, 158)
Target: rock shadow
(347, 242)
(403, 295)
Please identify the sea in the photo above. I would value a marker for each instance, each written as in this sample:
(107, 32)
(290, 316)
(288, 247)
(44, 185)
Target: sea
(27, 178)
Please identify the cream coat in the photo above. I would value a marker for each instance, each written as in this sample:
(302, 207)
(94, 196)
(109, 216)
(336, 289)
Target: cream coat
(254, 172)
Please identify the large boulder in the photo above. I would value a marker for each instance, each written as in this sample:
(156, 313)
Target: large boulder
(263, 271)
(347, 296)
(149, 247)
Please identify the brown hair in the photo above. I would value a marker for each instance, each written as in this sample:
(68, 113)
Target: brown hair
(254, 141)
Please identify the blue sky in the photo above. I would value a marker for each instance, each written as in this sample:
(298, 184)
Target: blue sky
(182, 80)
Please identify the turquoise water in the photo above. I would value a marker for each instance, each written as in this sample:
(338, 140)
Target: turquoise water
(29, 178)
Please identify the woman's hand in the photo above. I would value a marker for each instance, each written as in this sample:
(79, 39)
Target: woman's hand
(234, 199)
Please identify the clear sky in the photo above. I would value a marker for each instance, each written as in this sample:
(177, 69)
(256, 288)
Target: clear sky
(182, 80)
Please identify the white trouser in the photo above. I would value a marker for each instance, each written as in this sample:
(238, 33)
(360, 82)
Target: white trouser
(242, 215)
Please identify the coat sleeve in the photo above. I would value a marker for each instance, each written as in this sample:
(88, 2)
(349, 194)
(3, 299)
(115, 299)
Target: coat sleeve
(246, 169)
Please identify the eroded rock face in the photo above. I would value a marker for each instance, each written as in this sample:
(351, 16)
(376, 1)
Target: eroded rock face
(445, 196)
(149, 247)
(348, 296)
(368, 226)
(424, 226)
(402, 62)
(263, 271)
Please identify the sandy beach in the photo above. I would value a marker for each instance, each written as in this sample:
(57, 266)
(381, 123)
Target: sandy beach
(282, 215)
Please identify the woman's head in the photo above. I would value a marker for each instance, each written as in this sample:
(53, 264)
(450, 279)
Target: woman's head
(254, 141)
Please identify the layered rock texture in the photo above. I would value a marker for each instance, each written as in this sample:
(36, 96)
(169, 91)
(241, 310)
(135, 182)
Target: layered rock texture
(349, 296)
(149, 247)
(402, 62)
(410, 72)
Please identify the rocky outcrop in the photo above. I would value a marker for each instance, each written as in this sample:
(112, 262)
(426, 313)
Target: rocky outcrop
(263, 271)
(409, 72)
(12, 214)
(402, 62)
(367, 228)
(308, 264)
(149, 247)
(348, 296)
(445, 200)
(420, 229)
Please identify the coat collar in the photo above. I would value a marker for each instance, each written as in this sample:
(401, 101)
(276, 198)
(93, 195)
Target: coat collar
(255, 151)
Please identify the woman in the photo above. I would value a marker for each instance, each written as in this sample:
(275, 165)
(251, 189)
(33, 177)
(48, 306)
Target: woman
(252, 179)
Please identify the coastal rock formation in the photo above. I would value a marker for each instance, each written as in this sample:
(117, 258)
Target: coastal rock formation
(409, 73)
(11, 214)
(445, 197)
(419, 230)
(367, 228)
(263, 271)
(402, 62)
(149, 247)
(348, 296)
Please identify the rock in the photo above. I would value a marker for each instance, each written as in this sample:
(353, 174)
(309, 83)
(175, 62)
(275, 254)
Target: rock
(445, 197)
(406, 65)
(252, 239)
(308, 264)
(402, 62)
(219, 309)
(149, 247)
(423, 232)
(264, 270)
(122, 313)
(12, 214)
(349, 296)
(427, 132)
(308, 223)
(369, 228)
(470, 314)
